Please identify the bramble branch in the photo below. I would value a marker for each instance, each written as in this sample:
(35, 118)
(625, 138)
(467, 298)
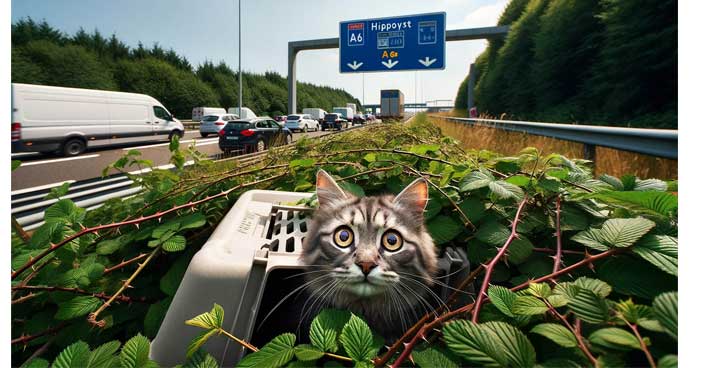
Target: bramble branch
(125, 263)
(644, 348)
(103, 296)
(557, 257)
(24, 339)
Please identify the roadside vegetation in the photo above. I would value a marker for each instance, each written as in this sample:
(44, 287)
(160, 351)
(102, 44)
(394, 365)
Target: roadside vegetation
(42, 54)
(571, 269)
(609, 62)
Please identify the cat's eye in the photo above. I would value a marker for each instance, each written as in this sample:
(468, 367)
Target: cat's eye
(391, 240)
(343, 236)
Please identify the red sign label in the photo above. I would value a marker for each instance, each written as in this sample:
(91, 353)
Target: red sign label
(356, 26)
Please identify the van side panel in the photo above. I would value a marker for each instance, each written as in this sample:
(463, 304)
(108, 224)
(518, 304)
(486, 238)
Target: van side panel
(130, 120)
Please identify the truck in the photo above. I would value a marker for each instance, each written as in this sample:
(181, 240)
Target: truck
(353, 107)
(246, 113)
(392, 103)
(345, 112)
(315, 113)
(200, 112)
(67, 121)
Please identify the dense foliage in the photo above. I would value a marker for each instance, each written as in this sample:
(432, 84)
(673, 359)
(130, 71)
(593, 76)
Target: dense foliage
(608, 62)
(44, 55)
(572, 270)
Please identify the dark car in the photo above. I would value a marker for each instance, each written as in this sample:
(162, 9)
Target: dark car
(359, 119)
(334, 121)
(253, 135)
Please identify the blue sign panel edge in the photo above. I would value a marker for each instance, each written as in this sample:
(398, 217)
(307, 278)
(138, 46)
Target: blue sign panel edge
(341, 71)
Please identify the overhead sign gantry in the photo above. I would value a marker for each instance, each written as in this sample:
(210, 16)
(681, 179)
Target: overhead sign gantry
(412, 42)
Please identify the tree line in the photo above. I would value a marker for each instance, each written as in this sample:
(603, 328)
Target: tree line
(44, 55)
(610, 62)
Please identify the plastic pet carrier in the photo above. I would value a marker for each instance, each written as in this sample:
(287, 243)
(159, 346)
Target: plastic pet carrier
(248, 265)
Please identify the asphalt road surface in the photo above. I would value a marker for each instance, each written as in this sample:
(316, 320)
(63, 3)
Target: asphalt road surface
(43, 170)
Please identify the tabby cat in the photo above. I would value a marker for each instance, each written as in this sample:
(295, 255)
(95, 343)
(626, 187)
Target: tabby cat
(371, 255)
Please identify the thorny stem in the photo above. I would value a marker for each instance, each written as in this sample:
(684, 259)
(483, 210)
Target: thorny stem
(389, 150)
(576, 332)
(388, 168)
(488, 271)
(559, 248)
(634, 328)
(553, 251)
(136, 221)
(102, 296)
(24, 339)
(238, 340)
(125, 263)
(92, 318)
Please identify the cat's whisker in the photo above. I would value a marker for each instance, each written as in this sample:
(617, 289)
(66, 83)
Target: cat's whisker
(437, 282)
(427, 288)
(305, 273)
(422, 301)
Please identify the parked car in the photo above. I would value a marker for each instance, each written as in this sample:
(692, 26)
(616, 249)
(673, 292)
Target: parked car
(334, 121)
(301, 123)
(253, 135)
(359, 119)
(201, 112)
(280, 118)
(370, 117)
(315, 113)
(246, 113)
(68, 120)
(212, 124)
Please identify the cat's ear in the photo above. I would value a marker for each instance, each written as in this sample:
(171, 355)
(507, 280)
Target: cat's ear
(328, 191)
(414, 197)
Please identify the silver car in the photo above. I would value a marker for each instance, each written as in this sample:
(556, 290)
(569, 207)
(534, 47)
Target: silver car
(212, 124)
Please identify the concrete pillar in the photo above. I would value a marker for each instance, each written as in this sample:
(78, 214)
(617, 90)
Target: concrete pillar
(292, 79)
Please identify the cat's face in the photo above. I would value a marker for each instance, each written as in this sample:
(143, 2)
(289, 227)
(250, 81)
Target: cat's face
(365, 247)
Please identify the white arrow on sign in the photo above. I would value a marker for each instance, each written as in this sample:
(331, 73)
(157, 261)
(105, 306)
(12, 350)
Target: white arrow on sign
(427, 62)
(389, 63)
(355, 65)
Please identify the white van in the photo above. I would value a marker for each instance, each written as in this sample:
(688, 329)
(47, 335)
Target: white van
(315, 113)
(246, 113)
(200, 112)
(68, 120)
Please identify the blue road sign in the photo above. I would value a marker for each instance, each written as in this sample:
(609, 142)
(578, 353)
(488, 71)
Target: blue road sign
(412, 42)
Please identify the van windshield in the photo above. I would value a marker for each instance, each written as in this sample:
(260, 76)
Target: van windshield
(211, 118)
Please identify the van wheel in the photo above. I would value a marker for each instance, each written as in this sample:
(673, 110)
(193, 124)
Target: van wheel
(173, 133)
(304, 129)
(260, 145)
(73, 147)
(203, 135)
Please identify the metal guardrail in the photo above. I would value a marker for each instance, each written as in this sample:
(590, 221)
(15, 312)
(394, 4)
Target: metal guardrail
(654, 142)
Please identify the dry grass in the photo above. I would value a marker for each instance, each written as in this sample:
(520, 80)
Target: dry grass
(610, 161)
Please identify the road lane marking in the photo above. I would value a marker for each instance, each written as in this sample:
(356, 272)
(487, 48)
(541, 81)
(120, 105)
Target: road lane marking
(166, 144)
(41, 187)
(31, 163)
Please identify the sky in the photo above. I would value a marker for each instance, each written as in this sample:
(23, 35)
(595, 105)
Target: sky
(208, 30)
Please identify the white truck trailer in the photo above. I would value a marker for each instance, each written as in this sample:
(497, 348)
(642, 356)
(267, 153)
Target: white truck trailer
(315, 113)
(345, 112)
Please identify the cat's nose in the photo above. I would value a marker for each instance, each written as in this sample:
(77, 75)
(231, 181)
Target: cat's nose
(366, 267)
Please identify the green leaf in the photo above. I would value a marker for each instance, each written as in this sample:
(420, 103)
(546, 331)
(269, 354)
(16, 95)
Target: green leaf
(502, 298)
(519, 180)
(192, 221)
(432, 209)
(659, 203)
(77, 307)
(199, 340)
(599, 287)
(517, 347)
(434, 357)
(476, 180)
(589, 307)
(640, 279)
(209, 320)
(15, 165)
(665, 309)
(305, 162)
(614, 338)
(370, 157)
(443, 229)
(74, 356)
(171, 280)
(201, 359)
(357, 339)
(326, 327)
(473, 208)
(623, 232)
(275, 354)
(528, 305)
(103, 355)
(493, 233)
(175, 243)
(64, 210)
(352, 188)
(107, 247)
(306, 352)
(668, 361)
(135, 353)
(556, 333)
(651, 185)
(165, 229)
(36, 363)
(154, 316)
(473, 343)
(505, 190)
(660, 250)
(59, 191)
